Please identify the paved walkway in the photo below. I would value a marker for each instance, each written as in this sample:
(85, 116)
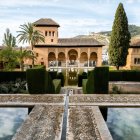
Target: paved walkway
(84, 120)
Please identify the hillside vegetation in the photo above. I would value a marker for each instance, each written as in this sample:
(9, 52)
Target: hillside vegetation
(133, 29)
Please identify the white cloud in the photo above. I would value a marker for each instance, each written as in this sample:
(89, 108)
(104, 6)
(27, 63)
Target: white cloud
(13, 3)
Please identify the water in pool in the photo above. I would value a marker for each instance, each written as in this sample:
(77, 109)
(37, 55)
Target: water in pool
(124, 123)
(10, 121)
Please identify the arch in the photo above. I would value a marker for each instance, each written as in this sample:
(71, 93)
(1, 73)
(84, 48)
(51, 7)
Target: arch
(93, 56)
(61, 57)
(83, 57)
(73, 54)
(51, 59)
(93, 59)
(51, 56)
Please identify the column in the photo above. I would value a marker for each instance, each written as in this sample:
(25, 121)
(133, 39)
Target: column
(88, 56)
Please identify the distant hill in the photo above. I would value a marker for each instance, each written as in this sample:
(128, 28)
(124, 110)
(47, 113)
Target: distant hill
(133, 29)
(104, 36)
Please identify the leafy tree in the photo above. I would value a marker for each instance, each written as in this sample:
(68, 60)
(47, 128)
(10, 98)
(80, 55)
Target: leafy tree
(23, 55)
(9, 40)
(9, 58)
(120, 38)
(8, 53)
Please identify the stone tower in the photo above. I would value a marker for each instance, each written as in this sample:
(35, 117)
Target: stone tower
(49, 28)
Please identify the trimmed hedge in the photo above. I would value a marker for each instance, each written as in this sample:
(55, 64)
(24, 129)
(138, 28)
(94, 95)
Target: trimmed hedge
(6, 76)
(57, 85)
(61, 76)
(53, 74)
(84, 85)
(124, 75)
(90, 88)
(36, 79)
(81, 77)
(97, 81)
(101, 80)
(39, 82)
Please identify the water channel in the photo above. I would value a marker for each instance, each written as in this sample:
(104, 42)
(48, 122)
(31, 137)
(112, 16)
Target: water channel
(123, 123)
(10, 121)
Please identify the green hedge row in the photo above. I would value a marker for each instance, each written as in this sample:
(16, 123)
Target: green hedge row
(80, 78)
(36, 79)
(53, 74)
(62, 78)
(39, 81)
(6, 76)
(124, 75)
(101, 80)
(97, 81)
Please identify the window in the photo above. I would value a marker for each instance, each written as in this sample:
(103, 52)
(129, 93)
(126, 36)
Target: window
(136, 60)
(51, 40)
(36, 54)
(49, 33)
(42, 63)
(53, 33)
(46, 33)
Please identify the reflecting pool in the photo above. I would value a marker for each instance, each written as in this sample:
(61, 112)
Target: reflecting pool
(124, 123)
(10, 121)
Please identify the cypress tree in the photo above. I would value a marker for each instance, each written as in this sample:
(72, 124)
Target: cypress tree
(120, 38)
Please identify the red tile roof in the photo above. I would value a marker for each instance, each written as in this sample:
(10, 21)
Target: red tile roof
(46, 22)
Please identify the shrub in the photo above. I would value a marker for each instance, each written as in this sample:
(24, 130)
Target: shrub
(115, 76)
(53, 74)
(80, 78)
(49, 86)
(116, 89)
(36, 79)
(97, 81)
(61, 76)
(84, 85)
(43, 84)
(124, 75)
(101, 78)
(57, 85)
(90, 83)
(7, 76)
(17, 86)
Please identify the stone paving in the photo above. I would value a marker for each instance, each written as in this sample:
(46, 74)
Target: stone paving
(87, 123)
(106, 100)
(27, 100)
(43, 123)
(84, 122)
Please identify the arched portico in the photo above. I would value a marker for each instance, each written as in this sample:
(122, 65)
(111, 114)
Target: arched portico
(84, 59)
(93, 59)
(52, 59)
(61, 59)
(73, 55)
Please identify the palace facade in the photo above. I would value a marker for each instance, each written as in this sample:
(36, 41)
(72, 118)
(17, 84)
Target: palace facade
(65, 53)
(133, 58)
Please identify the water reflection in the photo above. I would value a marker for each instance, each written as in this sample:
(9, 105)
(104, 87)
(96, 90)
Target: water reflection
(124, 123)
(10, 121)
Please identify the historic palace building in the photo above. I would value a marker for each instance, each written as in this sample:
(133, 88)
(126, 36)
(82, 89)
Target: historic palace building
(133, 57)
(65, 53)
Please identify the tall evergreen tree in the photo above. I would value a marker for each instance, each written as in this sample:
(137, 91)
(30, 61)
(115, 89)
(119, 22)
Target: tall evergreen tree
(120, 38)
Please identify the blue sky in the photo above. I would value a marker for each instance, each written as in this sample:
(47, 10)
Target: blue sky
(74, 16)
